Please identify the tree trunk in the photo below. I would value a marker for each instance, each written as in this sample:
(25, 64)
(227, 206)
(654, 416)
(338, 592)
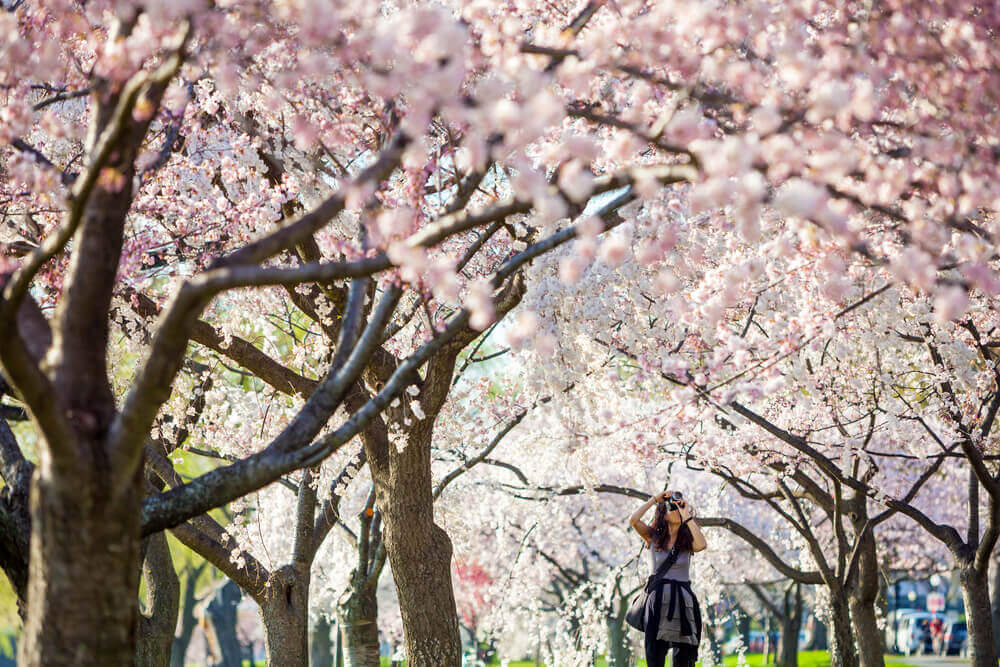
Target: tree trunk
(869, 641)
(863, 594)
(320, 646)
(618, 649)
(221, 611)
(978, 616)
(187, 619)
(158, 620)
(791, 623)
(357, 618)
(841, 638)
(15, 519)
(285, 614)
(995, 602)
(819, 641)
(419, 551)
(83, 582)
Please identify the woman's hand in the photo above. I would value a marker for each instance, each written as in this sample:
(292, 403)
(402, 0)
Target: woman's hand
(663, 495)
(687, 512)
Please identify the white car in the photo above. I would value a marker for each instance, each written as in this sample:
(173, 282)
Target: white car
(894, 620)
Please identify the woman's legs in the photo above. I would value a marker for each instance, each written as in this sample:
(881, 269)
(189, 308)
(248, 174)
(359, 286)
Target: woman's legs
(658, 656)
(685, 655)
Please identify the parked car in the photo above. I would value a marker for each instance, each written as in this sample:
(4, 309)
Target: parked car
(914, 636)
(954, 634)
(894, 620)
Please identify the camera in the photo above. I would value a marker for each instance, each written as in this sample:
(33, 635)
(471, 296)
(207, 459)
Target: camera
(672, 500)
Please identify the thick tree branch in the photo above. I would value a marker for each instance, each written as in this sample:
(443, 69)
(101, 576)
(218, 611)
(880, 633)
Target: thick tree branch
(762, 547)
(240, 350)
(287, 451)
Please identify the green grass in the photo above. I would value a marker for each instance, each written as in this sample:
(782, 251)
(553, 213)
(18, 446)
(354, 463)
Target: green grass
(806, 659)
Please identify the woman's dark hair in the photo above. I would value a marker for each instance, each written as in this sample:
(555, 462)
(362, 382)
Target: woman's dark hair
(661, 532)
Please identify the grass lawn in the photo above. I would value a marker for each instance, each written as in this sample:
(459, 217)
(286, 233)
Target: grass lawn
(806, 659)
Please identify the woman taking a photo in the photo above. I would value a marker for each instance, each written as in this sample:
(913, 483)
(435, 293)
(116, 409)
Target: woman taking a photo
(672, 614)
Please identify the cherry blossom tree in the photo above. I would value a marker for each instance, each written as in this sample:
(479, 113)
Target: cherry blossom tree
(122, 184)
(389, 172)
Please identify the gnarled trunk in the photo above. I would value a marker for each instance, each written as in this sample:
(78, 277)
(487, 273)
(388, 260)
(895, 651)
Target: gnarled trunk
(83, 582)
(978, 616)
(841, 638)
(285, 614)
(863, 594)
(357, 618)
(419, 551)
(866, 634)
(158, 620)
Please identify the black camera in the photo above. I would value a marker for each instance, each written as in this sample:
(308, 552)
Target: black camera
(672, 500)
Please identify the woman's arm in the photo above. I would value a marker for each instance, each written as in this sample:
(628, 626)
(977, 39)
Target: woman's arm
(699, 543)
(636, 519)
(687, 515)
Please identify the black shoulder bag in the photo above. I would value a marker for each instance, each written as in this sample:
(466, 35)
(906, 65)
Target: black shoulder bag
(636, 614)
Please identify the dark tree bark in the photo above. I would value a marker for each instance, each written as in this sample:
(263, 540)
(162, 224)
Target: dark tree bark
(867, 636)
(158, 620)
(15, 517)
(85, 543)
(786, 613)
(995, 602)
(842, 647)
(419, 552)
(863, 591)
(791, 623)
(285, 615)
(75, 613)
(978, 616)
(743, 627)
(711, 622)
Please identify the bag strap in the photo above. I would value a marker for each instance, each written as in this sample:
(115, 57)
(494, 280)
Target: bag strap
(664, 566)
